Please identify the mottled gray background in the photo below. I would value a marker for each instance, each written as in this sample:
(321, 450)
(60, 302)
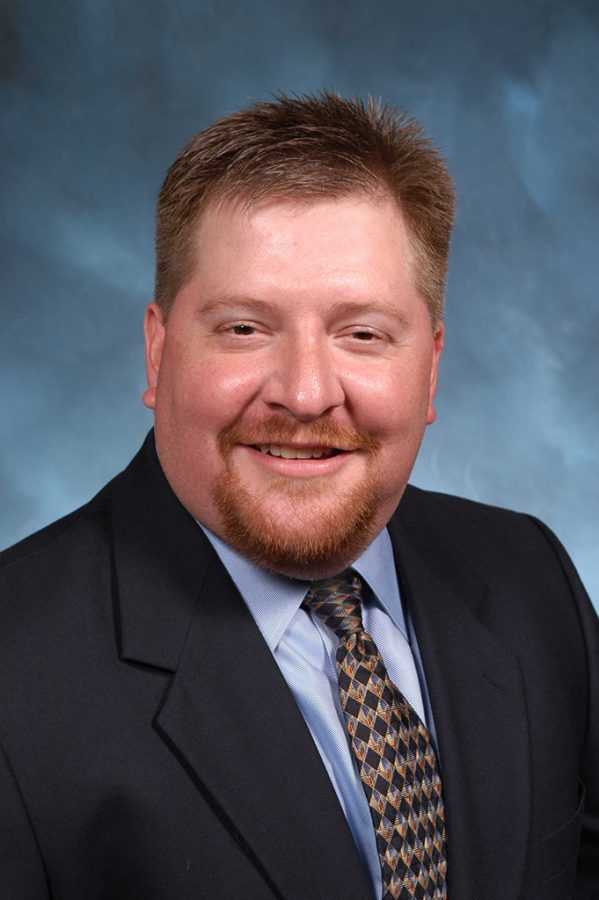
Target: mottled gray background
(96, 99)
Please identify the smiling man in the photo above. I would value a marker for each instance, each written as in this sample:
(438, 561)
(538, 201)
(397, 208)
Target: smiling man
(294, 376)
(259, 663)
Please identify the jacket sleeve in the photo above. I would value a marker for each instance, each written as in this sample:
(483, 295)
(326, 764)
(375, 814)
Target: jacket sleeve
(22, 875)
(587, 880)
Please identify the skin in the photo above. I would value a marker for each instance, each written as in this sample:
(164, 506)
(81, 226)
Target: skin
(300, 325)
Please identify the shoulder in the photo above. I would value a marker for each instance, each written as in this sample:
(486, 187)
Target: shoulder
(46, 575)
(57, 536)
(482, 528)
(527, 572)
(46, 539)
(67, 535)
(501, 546)
(417, 501)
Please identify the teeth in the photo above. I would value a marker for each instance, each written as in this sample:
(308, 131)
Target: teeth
(296, 452)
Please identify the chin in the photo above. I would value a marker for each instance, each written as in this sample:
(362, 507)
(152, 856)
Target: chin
(302, 537)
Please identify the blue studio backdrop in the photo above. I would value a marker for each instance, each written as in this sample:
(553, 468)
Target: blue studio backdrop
(97, 97)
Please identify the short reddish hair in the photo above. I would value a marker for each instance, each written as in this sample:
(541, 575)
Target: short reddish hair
(306, 149)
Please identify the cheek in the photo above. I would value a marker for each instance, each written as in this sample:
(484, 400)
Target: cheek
(390, 403)
(212, 392)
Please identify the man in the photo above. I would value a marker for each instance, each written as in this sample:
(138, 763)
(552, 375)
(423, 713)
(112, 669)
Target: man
(257, 664)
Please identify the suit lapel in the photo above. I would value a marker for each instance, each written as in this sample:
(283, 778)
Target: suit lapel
(231, 717)
(479, 711)
(227, 715)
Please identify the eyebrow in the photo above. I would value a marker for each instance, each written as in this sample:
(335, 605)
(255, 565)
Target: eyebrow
(365, 307)
(341, 308)
(222, 303)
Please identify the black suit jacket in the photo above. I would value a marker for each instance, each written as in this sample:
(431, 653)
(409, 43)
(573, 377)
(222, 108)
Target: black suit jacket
(151, 748)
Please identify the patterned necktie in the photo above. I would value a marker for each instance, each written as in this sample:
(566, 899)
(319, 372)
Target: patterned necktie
(393, 750)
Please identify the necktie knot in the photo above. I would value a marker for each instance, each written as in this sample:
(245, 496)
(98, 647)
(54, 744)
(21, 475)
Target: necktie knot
(338, 603)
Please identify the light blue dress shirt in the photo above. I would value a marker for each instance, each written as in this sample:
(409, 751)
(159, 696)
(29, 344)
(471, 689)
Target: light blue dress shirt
(304, 649)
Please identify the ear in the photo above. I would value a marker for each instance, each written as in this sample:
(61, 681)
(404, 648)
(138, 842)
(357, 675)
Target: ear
(438, 341)
(154, 342)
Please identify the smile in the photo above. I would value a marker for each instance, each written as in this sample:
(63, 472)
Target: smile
(286, 452)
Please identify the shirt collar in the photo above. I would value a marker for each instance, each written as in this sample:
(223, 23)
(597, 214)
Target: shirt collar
(274, 599)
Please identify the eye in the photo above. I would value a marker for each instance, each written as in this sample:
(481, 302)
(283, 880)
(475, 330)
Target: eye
(242, 335)
(364, 339)
(243, 329)
(364, 335)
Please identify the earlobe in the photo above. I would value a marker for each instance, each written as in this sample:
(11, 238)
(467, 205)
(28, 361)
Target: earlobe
(154, 342)
(438, 341)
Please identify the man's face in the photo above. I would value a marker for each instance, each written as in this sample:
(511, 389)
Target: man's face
(293, 379)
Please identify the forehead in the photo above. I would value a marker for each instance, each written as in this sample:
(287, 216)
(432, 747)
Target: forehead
(337, 239)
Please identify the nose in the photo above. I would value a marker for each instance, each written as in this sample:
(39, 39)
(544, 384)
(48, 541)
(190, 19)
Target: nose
(304, 380)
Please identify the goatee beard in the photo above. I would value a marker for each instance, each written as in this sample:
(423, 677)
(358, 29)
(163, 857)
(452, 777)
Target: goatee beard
(326, 534)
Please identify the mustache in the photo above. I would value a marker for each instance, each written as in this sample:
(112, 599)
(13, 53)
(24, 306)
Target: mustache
(278, 430)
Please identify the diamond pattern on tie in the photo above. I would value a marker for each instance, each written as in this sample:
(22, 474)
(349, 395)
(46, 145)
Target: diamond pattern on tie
(393, 749)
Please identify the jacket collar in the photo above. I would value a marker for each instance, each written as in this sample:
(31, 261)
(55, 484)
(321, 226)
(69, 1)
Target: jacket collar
(161, 558)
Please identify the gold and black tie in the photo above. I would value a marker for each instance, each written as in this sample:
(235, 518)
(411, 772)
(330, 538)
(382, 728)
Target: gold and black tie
(393, 749)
